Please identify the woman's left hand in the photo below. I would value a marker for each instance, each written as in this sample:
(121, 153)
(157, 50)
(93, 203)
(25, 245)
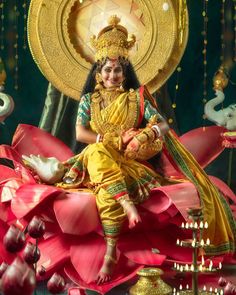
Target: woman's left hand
(128, 135)
(133, 145)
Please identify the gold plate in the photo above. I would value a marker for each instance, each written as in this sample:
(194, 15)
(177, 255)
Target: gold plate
(59, 32)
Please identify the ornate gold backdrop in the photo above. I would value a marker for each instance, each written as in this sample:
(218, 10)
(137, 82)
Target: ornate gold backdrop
(59, 33)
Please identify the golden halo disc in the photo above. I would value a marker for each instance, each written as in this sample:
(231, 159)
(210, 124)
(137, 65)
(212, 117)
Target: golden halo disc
(59, 32)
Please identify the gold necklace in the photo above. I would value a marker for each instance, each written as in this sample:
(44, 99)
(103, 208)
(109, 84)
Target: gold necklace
(103, 127)
(108, 95)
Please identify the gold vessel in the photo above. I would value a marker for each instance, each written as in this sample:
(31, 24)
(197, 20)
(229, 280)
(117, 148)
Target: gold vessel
(150, 283)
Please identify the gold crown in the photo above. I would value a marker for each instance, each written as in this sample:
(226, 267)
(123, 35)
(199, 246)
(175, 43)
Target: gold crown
(112, 41)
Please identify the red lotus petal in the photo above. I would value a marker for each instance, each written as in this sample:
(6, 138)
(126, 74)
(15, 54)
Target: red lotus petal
(28, 196)
(75, 291)
(7, 152)
(29, 139)
(6, 173)
(126, 270)
(224, 188)
(88, 266)
(22, 172)
(210, 141)
(137, 248)
(178, 194)
(158, 201)
(9, 188)
(54, 253)
(4, 209)
(77, 213)
(165, 241)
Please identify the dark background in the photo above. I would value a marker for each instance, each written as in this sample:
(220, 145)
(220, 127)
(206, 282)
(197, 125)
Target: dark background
(32, 86)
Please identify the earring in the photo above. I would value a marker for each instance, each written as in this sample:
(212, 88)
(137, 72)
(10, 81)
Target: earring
(98, 78)
(121, 88)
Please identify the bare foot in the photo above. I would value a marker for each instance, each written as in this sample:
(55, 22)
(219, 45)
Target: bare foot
(133, 216)
(106, 270)
(131, 212)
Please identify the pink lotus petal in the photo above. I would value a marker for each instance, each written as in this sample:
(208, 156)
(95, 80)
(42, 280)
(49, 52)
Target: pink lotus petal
(127, 270)
(28, 196)
(32, 140)
(77, 213)
(54, 253)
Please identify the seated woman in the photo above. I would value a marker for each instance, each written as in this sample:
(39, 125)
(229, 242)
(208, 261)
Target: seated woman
(119, 121)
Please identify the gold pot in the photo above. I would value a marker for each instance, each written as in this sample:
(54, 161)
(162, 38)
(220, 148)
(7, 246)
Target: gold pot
(150, 283)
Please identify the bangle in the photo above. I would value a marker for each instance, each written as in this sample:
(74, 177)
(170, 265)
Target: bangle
(98, 138)
(157, 130)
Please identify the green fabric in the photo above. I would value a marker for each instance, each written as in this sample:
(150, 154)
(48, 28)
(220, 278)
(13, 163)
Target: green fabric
(83, 115)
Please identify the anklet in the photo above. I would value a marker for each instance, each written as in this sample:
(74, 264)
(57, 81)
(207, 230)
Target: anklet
(110, 258)
(111, 242)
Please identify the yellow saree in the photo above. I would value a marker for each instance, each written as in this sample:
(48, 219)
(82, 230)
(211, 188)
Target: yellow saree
(104, 168)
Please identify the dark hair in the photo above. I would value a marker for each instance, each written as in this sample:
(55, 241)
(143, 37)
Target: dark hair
(131, 80)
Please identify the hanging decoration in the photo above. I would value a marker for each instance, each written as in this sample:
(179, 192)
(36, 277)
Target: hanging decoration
(204, 51)
(16, 15)
(222, 35)
(178, 71)
(234, 13)
(2, 2)
(25, 10)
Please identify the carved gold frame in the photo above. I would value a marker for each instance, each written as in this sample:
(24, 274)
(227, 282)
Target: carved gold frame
(161, 46)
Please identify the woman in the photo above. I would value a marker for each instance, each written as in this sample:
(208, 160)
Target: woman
(119, 122)
(107, 122)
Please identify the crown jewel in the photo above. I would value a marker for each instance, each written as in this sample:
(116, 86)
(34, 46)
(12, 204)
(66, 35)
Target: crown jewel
(112, 41)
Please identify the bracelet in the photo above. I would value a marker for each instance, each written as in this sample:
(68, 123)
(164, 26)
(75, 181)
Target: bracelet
(157, 130)
(98, 138)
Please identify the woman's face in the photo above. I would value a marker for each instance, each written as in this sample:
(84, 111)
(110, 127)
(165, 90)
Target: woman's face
(112, 74)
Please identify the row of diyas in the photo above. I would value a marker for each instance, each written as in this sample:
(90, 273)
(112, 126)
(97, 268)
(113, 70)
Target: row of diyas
(201, 267)
(210, 290)
(195, 225)
(193, 243)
